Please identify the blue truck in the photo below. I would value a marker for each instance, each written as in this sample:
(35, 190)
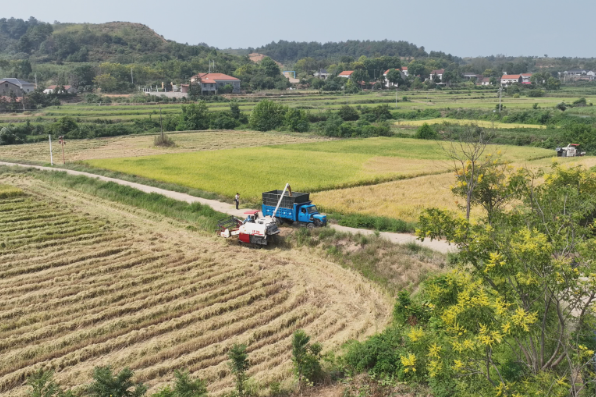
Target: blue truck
(292, 208)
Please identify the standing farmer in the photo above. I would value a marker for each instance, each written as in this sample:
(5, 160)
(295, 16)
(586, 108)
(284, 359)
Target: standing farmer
(237, 199)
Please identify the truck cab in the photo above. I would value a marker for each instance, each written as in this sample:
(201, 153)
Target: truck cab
(310, 214)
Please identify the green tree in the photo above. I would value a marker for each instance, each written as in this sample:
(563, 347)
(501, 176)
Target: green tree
(306, 358)
(425, 131)
(269, 67)
(43, 385)
(296, 120)
(235, 110)
(194, 117)
(184, 386)
(106, 384)
(516, 313)
(106, 82)
(64, 126)
(267, 115)
(394, 77)
(239, 365)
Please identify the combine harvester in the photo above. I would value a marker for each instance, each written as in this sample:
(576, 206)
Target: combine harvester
(258, 231)
(572, 150)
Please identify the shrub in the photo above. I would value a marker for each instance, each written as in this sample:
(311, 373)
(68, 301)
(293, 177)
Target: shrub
(425, 131)
(580, 102)
(306, 358)
(223, 121)
(239, 364)
(194, 117)
(296, 120)
(267, 115)
(163, 140)
(535, 94)
(105, 384)
(348, 113)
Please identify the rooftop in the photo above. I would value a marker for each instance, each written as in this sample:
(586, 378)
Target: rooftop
(214, 77)
(346, 73)
(511, 77)
(18, 82)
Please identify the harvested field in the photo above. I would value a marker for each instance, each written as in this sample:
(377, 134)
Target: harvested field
(87, 282)
(133, 146)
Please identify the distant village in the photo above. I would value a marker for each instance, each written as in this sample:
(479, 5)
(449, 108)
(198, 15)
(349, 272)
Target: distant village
(216, 83)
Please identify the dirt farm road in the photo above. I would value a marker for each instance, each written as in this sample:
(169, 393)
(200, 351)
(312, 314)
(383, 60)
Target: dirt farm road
(398, 238)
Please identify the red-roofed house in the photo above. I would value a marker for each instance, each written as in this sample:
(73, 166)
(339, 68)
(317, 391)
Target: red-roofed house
(212, 82)
(346, 74)
(437, 72)
(404, 70)
(508, 79)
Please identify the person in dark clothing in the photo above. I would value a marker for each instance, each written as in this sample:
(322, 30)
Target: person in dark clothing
(237, 199)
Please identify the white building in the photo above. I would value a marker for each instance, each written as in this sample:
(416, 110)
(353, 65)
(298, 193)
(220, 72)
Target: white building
(346, 74)
(55, 88)
(508, 79)
(439, 73)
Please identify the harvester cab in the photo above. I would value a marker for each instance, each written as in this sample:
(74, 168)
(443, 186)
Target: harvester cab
(572, 150)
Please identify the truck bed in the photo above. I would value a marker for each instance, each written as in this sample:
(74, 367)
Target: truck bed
(285, 213)
(272, 198)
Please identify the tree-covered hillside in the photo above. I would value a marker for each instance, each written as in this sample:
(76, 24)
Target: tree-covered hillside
(291, 51)
(115, 41)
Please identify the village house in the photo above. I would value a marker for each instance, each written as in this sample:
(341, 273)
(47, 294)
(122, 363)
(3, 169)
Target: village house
(508, 79)
(483, 80)
(322, 74)
(471, 76)
(403, 73)
(526, 78)
(211, 83)
(346, 74)
(404, 70)
(68, 89)
(439, 73)
(17, 86)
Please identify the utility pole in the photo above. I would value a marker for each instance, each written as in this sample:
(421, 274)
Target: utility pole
(500, 93)
(51, 156)
(131, 77)
(396, 88)
(160, 124)
(62, 142)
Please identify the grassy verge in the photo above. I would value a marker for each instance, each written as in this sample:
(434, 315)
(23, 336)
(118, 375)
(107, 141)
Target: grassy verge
(201, 217)
(380, 223)
(392, 266)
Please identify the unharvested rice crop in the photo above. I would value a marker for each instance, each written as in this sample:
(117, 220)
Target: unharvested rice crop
(132, 146)
(480, 123)
(307, 167)
(85, 282)
(406, 199)
(7, 191)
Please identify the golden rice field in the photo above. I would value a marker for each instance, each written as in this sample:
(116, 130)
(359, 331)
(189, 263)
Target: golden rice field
(308, 167)
(406, 199)
(132, 146)
(86, 282)
(480, 123)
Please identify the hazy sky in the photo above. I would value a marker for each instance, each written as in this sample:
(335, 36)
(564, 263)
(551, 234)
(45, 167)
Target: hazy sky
(460, 27)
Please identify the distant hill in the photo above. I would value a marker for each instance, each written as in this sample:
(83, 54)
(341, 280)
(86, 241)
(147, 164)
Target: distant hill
(122, 42)
(291, 51)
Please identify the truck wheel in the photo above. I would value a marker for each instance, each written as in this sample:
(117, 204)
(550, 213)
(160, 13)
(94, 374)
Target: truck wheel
(310, 226)
(318, 223)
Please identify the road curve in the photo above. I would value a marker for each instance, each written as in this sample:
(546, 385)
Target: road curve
(398, 238)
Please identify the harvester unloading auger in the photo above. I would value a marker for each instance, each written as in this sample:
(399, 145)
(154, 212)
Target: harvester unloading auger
(291, 209)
